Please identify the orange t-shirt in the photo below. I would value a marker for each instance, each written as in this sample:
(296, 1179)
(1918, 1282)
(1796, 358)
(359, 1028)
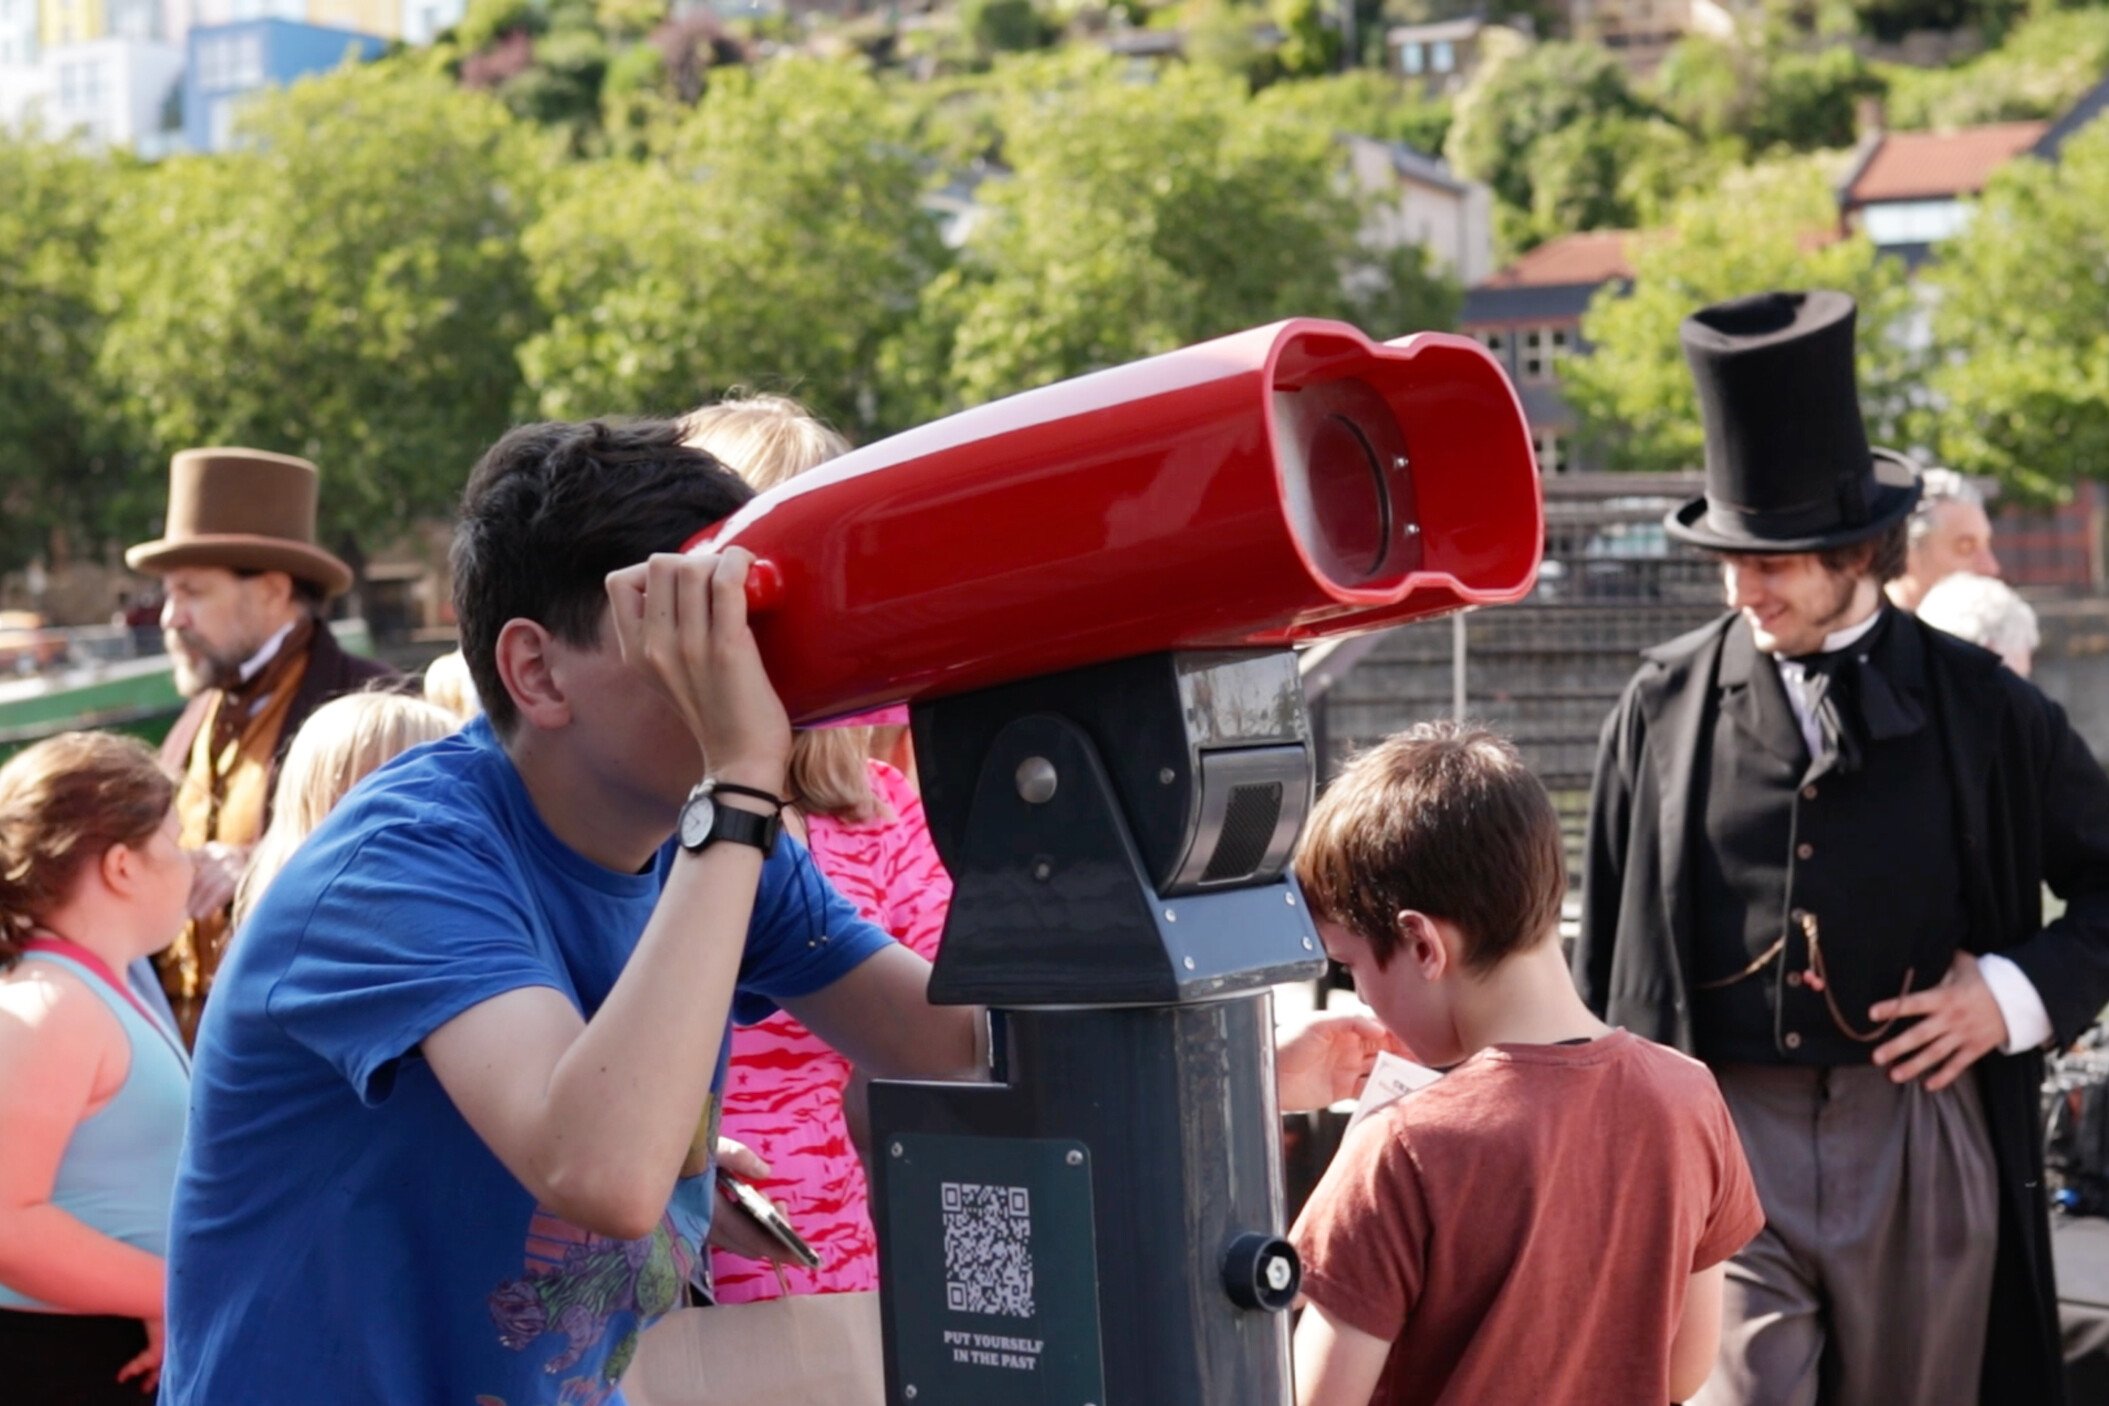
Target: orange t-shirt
(1524, 1229)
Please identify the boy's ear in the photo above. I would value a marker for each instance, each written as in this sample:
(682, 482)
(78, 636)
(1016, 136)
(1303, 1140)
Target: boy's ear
(524, 666)
(1422, 945)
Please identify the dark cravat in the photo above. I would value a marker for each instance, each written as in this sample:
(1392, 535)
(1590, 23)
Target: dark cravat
(1832, 690)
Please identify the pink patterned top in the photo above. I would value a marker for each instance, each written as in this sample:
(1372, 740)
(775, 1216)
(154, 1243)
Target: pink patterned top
(783, 1094)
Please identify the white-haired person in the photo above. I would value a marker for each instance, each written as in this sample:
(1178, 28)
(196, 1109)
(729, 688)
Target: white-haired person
(1987, 612)
(1949, 531)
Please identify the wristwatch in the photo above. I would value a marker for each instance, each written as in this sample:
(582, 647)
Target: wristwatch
(704, 822)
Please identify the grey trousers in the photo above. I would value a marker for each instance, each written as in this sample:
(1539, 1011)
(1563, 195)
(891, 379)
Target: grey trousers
(1870, 1282)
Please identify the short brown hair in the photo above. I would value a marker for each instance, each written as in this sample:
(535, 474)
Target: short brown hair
(1881, 557)
(1445, 819)
(63, 803)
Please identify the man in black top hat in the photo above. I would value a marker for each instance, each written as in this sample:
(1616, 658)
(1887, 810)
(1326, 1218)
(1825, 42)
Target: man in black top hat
(1817, 844)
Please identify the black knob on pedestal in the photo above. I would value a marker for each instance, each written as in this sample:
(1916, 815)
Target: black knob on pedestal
(1261, 1271)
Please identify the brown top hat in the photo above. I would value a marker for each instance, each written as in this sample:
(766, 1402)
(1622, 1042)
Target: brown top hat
(246, 510)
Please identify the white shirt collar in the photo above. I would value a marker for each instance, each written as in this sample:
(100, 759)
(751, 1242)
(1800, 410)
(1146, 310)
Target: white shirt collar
(1795, 677)
(265, 655)
(1852, 634)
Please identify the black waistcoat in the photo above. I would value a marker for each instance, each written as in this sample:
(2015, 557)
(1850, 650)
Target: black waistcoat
(1867, 860)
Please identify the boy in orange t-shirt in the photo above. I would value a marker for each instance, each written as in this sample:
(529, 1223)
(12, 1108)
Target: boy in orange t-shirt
(1548, 1223)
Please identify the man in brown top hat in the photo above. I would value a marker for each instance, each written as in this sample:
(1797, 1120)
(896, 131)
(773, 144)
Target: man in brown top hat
(246, 585)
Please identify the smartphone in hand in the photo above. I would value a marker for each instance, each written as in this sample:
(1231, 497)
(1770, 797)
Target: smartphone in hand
(763, 1213)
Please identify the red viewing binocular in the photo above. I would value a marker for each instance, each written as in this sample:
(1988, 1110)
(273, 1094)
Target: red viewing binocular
(1273, 487)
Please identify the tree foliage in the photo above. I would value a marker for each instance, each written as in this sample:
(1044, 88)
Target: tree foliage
(1366, 103)
(2022, 317)
(1137, 219)
(1551, 115)
(2044, 65)
(777, 241)
(349, 287)
(1765, 228)
(1765, 95)
(65, 464)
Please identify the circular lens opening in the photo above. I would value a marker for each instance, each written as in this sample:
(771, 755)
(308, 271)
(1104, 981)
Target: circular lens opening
(1341, 452)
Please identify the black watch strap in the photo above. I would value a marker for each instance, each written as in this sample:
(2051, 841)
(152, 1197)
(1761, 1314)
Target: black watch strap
(742, 827)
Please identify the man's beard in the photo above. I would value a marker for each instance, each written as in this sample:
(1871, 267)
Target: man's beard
(1846, 584)
(197, 667)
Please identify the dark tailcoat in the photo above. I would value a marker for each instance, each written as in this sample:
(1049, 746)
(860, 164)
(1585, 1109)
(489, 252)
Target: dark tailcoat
(2032, 805)
(330, 672)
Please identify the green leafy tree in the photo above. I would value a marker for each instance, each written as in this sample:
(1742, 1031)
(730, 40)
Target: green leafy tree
(1223, 35)
(1763, 229)
(1365, 103)
(1310, 45)
(1610, 171)
(1006, 26)
(1520, 99)
(1708, 85)
(778, 242)
(1809, 101)
(2044, 65)
(1764, 96)
(1137, 219)
(2022, 318)
(348, 287)
(65, 465)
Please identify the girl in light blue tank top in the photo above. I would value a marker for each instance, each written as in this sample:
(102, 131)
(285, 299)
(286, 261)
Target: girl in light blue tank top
(92, 1106)
(120, 1164)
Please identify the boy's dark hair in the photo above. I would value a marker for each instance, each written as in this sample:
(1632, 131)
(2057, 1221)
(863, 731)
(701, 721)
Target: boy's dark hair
(1445, 819)
(551, 509)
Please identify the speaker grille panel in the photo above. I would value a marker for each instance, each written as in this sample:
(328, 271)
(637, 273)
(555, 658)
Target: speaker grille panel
(1248, 828)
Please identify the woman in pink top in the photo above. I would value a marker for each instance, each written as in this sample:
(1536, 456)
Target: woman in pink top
(864, 824)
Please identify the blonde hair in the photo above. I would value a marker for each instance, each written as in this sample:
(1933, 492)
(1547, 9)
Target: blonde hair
(64, 803)
(339, 744)
(449, 685)
(765, 439)
(768, 440)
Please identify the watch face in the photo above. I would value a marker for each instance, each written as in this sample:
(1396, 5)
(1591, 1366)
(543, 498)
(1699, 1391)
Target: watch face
(695, 821)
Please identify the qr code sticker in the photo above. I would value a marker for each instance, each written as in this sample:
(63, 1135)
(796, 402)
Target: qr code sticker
(988, 1249)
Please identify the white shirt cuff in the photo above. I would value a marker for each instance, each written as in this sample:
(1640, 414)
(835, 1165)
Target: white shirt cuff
(2027, 1022)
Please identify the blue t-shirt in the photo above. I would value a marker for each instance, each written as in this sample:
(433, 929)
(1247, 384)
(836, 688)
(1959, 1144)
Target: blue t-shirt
(339, 1233)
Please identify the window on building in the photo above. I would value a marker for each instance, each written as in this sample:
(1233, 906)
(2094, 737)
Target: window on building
(1497, 343)
(1914, 221)
(1442, 57)
(209, 59)
(1413, 59)
(1551, 448)
(1542, 349)
(248, 61)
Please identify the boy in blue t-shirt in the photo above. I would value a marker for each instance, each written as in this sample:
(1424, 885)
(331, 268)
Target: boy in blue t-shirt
(456, 1088)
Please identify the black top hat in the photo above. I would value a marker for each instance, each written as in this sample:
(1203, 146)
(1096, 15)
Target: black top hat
(1788, 467)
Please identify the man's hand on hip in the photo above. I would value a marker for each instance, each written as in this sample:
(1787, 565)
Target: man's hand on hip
(1960, 1025)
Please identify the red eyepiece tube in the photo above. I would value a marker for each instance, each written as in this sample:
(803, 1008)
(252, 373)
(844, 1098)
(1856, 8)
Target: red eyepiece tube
(1280, 485)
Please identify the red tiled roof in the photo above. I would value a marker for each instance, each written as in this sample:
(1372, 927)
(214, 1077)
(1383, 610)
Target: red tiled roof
(1930, 165)
(1595, 256)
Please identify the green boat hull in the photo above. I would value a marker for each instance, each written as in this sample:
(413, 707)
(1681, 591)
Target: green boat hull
(136, 696)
